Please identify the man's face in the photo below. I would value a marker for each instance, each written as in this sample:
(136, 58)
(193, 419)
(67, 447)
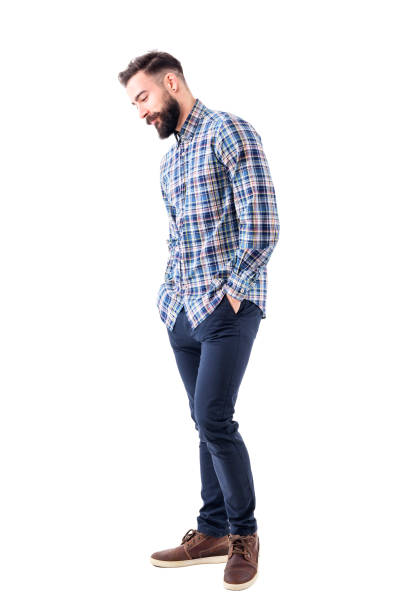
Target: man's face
(154, 103)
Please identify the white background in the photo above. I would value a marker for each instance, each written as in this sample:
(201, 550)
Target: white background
(99, 455)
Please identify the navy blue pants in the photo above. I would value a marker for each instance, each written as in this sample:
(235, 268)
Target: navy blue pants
(212, 359)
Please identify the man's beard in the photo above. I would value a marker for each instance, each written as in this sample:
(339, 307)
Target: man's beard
(168, 117)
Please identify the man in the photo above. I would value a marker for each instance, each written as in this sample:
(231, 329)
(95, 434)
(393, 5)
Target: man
(223, 227)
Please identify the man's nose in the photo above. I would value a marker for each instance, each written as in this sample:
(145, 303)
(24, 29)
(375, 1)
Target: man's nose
(142, 113)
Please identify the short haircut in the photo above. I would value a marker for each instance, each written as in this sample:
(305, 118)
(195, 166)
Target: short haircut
(154, 63)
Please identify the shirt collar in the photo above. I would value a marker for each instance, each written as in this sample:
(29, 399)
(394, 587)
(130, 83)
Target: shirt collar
(192, 120)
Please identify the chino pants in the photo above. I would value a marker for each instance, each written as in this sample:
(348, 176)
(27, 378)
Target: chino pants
(212, 359)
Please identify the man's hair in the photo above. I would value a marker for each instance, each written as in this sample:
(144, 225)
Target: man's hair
(154, 63)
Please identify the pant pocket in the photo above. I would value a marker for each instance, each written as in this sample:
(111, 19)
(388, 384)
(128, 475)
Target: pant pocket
(241, 306)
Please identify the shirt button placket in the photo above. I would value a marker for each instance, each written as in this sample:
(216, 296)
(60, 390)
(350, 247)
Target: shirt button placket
(183, 196)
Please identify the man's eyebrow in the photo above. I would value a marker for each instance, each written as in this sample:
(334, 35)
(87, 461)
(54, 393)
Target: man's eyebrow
(138, 95)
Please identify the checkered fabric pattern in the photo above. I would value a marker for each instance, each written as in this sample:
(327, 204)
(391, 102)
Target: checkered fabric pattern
(223, 220)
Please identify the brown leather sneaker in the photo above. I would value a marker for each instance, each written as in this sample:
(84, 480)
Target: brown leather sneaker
(242, 566)
(195, 548)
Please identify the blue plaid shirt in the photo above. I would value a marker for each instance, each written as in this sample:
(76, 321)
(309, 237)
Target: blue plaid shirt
(223, 221)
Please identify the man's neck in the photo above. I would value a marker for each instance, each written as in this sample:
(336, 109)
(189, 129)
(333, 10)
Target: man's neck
(185, 111)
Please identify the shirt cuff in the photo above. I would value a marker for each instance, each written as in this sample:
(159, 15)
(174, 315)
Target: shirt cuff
(238, 286)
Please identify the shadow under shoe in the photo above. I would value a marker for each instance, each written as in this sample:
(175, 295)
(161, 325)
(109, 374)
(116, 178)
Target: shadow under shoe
(195, 548)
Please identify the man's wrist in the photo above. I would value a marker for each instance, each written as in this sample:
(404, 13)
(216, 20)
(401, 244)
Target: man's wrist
(234, 294)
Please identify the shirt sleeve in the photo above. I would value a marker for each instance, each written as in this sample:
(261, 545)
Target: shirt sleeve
(238, 146)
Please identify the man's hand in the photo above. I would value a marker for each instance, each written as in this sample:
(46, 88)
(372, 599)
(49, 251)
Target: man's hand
(234, 303)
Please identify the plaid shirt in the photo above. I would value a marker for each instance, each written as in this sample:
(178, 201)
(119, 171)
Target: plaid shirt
(223, 220)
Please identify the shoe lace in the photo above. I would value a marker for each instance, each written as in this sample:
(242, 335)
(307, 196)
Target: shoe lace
(240, 545)
(191, 533)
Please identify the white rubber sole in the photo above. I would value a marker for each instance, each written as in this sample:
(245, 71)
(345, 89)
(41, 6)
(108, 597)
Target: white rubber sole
(243, 585)
(199, 561)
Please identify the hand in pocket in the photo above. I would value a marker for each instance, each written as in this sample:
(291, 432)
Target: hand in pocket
(235, 304)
